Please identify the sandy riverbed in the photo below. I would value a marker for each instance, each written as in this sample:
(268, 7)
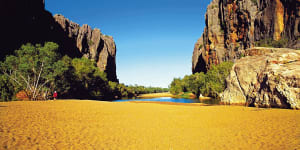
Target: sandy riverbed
(106, 125)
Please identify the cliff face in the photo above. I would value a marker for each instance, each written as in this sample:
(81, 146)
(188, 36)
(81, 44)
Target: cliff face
(27, 21)
(235, 25)
(92, 44)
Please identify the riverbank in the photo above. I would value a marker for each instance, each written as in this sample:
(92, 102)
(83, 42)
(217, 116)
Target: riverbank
(156, 95)
(75, 124)
(187, 95)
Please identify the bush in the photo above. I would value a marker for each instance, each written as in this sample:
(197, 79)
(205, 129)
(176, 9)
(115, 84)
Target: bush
(90, 43)
(33, 69)
(210, 84)
(120, 90)
(215, 78)
(6, 89)
(254, 2)
(91, 82)
(176, 86)
(272, 43)
(200, 46)
(214, 6)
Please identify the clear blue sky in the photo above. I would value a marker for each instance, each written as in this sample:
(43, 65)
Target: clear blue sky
(154, 38)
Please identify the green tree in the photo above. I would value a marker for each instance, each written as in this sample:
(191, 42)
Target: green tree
(193, 83)
(113, 90)
(176, 86)
(65, 81)
(32, 69)
(123, 90)
(215, 79)
(92, 82)
(210, 84)
(6, 89)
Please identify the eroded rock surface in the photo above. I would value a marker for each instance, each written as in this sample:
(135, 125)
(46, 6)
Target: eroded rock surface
(235, 25)
(266, 77)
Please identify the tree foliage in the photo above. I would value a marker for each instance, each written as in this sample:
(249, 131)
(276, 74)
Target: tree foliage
(32, 69)
(269, 42)
(6, 89)
(38, 71)
(194, 82)
(176, 86)
(210, 84)
(91, 82)
(121, 90)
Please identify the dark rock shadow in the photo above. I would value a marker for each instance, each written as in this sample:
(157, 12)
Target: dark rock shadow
(27, 21)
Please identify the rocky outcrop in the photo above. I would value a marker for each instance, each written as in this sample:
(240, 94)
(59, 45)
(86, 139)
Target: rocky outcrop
(266, 77)
(235, 25)
(92, 44)
(27, 21)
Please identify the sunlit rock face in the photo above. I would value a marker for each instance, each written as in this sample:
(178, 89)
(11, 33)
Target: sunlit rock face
(266, 77)
(235, 25)
(27, 21)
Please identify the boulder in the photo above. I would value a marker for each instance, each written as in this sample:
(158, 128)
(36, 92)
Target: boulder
(266, 77)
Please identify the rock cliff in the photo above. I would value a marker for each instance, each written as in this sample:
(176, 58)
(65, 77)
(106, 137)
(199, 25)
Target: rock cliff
(92, 44)
(266, 77)
(235, 25)
(27, 21)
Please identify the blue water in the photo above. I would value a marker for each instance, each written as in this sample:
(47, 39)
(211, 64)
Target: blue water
(175, 100)
(163, 99)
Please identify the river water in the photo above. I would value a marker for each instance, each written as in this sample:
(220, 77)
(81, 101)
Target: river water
(175, 100)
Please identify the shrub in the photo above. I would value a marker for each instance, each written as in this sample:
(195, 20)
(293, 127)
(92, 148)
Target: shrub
(90, 43)
(254, 2)
(210, 84)
(242, 55)
(6, 89)
(176, 86)
(91, 82)
(215, 78)
(272, 43)
(214, 6)
(200, 46)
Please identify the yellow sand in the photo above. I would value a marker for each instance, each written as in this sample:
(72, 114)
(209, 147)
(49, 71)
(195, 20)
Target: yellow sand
(150, 126)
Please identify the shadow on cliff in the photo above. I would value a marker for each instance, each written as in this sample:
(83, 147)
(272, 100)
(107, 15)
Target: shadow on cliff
(27, 21)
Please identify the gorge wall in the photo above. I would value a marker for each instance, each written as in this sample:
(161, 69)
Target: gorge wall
(27, 21)
(231, 26)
